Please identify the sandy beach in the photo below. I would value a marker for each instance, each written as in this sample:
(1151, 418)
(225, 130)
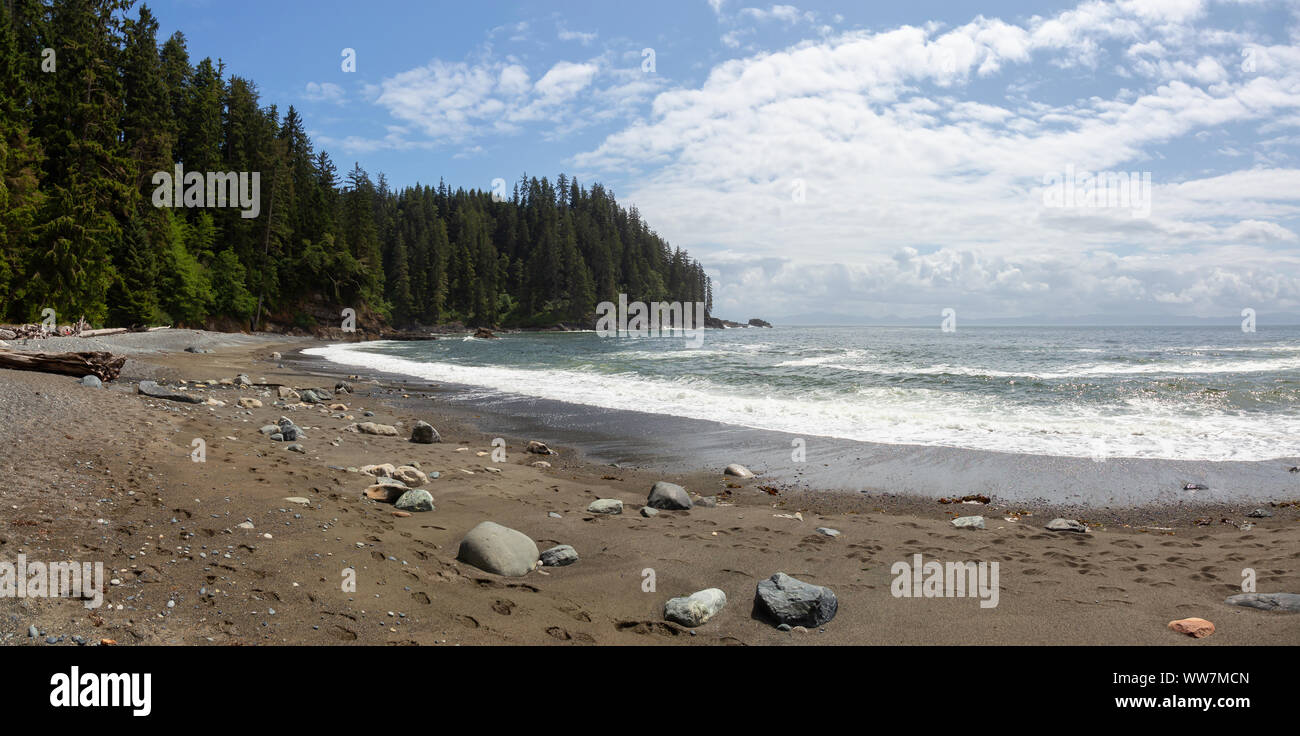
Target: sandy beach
(108, 475)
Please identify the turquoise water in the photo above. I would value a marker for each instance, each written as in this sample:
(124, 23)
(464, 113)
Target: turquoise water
(1193, 393)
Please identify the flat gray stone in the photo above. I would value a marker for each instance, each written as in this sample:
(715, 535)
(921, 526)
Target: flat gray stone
(559, 556)
(647, 512)
(670, 496)
(1066, 525)
(1256, 514)
(416, 499)
(498, 549)
(828, 531)
(969, 522)
(92, 382)
(695, 609)
(1286, 602)
(153, 390)
(786, 600)
(605, 506)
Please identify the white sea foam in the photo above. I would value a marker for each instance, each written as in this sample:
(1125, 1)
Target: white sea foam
(1133, 428)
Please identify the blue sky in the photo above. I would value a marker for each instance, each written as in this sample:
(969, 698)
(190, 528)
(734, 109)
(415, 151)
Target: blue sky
(852, 158)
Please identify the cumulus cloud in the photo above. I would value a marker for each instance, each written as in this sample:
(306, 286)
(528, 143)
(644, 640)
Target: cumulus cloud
(455, 102)
(877, 169)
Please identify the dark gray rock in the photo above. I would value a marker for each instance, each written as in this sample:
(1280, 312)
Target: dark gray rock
(1286, 602)
(786, 600)
(559, 556)
(498, 549)
(1260, 514)
(424, 434)
(648, 512)
(670, 496)
(153, 390)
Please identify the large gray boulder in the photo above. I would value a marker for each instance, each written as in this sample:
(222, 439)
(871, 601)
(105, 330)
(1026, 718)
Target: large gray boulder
(695, 609)
(668, 496)
(1286, 602)
(152, 389)
(498, 549)
(92, 381)
(424, 434)
(793, 602)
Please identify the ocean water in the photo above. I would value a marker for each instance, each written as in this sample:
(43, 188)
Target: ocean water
(1179, 393)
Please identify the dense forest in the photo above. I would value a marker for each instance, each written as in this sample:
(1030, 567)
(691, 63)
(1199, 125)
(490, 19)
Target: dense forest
(92, 106)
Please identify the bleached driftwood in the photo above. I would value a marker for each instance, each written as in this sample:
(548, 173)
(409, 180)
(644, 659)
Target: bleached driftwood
(100, 364)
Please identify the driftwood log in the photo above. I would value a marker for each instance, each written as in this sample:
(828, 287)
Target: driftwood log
(102, 365)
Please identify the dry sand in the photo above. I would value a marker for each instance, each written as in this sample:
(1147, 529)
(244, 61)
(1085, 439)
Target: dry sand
(106, 475)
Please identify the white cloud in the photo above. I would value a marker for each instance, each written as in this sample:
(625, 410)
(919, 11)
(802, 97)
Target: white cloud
(324, 92)
(565, 34)
(565, 79)
(918, 192)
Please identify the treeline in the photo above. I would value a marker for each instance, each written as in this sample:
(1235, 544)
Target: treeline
(92, 106)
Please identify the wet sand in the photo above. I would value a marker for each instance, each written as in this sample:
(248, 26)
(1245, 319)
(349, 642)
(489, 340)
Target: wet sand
(106, 475)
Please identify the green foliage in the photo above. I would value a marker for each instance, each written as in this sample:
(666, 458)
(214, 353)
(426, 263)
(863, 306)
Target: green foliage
(80, 145)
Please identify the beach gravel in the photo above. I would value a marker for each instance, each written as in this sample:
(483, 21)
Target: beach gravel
(153, 390)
